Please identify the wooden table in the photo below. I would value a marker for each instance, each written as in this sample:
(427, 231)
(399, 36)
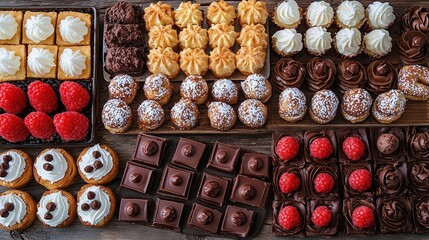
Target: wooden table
(124, 146)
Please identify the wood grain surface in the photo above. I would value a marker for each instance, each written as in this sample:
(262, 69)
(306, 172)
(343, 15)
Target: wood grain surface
(124, 145)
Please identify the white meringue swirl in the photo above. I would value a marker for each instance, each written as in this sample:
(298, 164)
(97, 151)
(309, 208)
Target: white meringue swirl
(318, 40)
(72, 63)
(94, 216)
(348, 41)
(8, 26)
(17, 214)
(380, 15)
(288, 40)
(350, 13)
(378, 42)
(40, 61)
(288, 12)
(59, 163)
(320, 13)
(61, 212)
(9, 62)
(88, 160)
(73, 30)
(16, 166)
(39, 28)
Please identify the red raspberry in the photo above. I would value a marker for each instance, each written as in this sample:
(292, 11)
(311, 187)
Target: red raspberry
(287, 148)
(363, 217)
(360, 180)
(321, 148)
(289, 217)
(321, 216)
(12, 128)
(74, 96)
(71, 126)
(354, 148)
(40, 125)
(289, 182)
(42, 97)
(324, 183)
(12, 98)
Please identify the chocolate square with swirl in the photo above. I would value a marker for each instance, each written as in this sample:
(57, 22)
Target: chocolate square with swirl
(310, 136)
(388, 144)
(188, 153)
(175, 183)
(420, 213)
(224, 157)
(168, 214)
(213, 189)
(137, 177)
(250, 191)
(352, 175)
(133, 210)
(317, 183)
(299, 230)
(391, 179)
(299, 160)
(360, 133)
(349, 206)
(237, 221)
(418, 177)
(418, 143)
(394, 214)
(149, 149)
(204, 218)
(298, 194)
(332, 228)
(256, 165)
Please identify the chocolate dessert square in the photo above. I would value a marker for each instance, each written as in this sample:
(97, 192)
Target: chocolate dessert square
(418, 143)
(299, 160)
(175, 182)
(391, 179)
(124, 35)
(298, 194)
(224, 157)
(347, 170)
(349, 205)
(204, 218)
(388, 144)
(133, 210)
(188, 153)
(137, 177)
(213, 189)
(250, 191)
(149, 149)
(420, 213)
(237, 221)
(256, 165)
(359, 133)
(278, 230)
(315, 172)
(332, 228)
(122, 13)
(394, 214)
(124, 60)
(418, 177)
(168, 214)
(311, 136)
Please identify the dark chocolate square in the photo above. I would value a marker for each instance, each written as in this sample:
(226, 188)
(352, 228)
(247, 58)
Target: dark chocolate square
(188, 153)
(349, 205)
(224, 157)
(213, 189)
(312, 171)
(310, 136)
(237, 221)
(175, 182)
(168, 214)
(346, 171)
(250, 191)
(256, 165)
(394, 214)
(278, 230)
(353, 132)
(330, 230)
(418, 177)
(418, 143)
(420, 213)
(299, 194)
(137, 177)
(204, 218)
(399, 155)
(299, 160)
(391, 179)
(149, 149)
(133, 210)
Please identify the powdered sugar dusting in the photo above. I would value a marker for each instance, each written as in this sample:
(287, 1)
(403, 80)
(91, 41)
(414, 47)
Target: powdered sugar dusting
(252, 113)
(356, 101)
(222, 115)
(194, 87)
(292, 102)
(324, 104)
(185, 114)
(116, 113)
(389, 104)
(256, 86)
(224, 90)
(150, 112)
(413, 81)
(122, 86)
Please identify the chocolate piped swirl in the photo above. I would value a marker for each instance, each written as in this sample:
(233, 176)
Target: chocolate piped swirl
(381, 76)
(419, 145)
(419, 177)
(288, 73)
(421, 208)
(351, 74)
(320, 74)
(390, 180)
(416, 18)
(413, 47)
(394, 214)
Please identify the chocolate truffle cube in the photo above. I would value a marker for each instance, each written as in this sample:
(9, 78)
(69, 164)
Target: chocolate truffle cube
(332, 228)
(418, 177)
(133, 210)
(149, 149)
(175, 183)
(388, 144)
(224, 157)
(124, 60)
(278, 229)
(168, 214)
(137, 177)
(359, 133)
(250, 191)
(213, 189)
(298, 194)
(311, 136)
(124, 35)
(317, 176)
(122, 13)
(394, 214)
(391, 179)
(188, 153)
(256, 165)
(357, 179)
(204, 218)
(237, 221)
(350, 205)
(418, 143)
(421, 213)
(299, 160)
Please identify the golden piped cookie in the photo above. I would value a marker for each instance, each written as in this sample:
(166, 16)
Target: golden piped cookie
(252, 11)
(158, 14)
(220, 12)
(193, 36)
(163, 61)
(250, 60)
(95, 205)
(253, 35)
(222, 62)
(222, 35)
(56, 208)
(194, 61)
(17, 210)
(188, 13)
(162, 37)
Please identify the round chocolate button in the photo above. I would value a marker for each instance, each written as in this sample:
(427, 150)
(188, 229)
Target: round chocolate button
(96, 154)
(187, 150)
(3, 173)
(7, 158)
(90, 195)
(4, 213)
(205, 217)
(48, 167)
(48, 216)
(135, 177)
(132, 209)
(48, 158)
(222, 156)
(247, 192)
(212, 189)
(89, 169)
(255, 163)
(238, 218)
(176, 180)
(85, 207)
(9, 207)
(98, 164)
(95, 205)
(51, 206)
(168, 214)
(149, 148)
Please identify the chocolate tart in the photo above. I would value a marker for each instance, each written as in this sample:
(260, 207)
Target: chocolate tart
(394, 214)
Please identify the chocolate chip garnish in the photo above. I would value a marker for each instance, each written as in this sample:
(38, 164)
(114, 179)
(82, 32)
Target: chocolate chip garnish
(168, 214)
(3, 173)
(95, 205)
(7, 158)
(4, 213)
(149, 148)
(48, 216)
(132, 209)
(96, 154)
(352, 68)
(382, 69)
(51, 206)
(90, 195)
(238, 218)
(187, 150)
(9, 207)
(48, 157)
(255, 163)
(135, 177)
(212, 189)
(85, 207)
(176, 180)
(205, 217)
(320, 68)
(4, 166)
(98, 164)
(222, 156)
(48, 167)
(88, 169)
(291, 70)
(247, 192)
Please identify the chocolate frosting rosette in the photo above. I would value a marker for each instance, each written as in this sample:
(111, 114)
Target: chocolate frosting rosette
(390, 180)
(288, 73)
(394, 215)
(381, 76)
(421, 211)
(419, 145)
(416, 18)
(351, 74)
(320, 74)
(413, 47)
(419, 177)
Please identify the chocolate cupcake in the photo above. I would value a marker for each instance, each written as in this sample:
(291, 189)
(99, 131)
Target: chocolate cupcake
(351, 74)
(416, 18)
(289, 172)
(331, 229)
(320, 74)
(388, 145)
(313, 175)
(288, 73)
(350, 205)
(421, 213)
(391, 179)
(413, 47)
(282, 208)
(394, 215)
(382, 76)
(418, 143)
(418, 175)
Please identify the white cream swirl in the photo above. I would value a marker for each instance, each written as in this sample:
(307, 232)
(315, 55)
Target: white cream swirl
(39, 28)
(380, 15)
(88, 160)
(40, 61)
(72, 63)
(288, 12)
(59, 164)
(73, 30)
(348, 41)
(94, 216)
(350, 13)
(288, 40)
(318, 40)
(9, 62)
(17, 214)
(378, 42)
(61, 212)
(16, 166)
(8, 26)
(320, 13)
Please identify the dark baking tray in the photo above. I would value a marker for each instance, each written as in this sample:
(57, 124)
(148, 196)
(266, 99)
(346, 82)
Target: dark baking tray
(91, 84)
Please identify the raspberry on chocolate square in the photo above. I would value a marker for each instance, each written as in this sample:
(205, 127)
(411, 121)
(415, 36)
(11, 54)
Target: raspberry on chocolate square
(289, 218)
(357, 179)
(394, 214)
(332, 217)
(322, 181)
(280, 151)
(359, 214)
(279, 190)
(353, 145)
(320, 147)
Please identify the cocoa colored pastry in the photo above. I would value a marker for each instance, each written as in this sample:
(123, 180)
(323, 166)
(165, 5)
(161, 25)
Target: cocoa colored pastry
(420, 206)
(324, 106)
(253, 113)
(116, 116)
(123, 87)
(150, 115)
(413, 81)
(257, 87)
(222, 116)
(413, 47)
(418, 144)
(124, 35)
(356, 105)
(225, 90)
(389, 106)
(185, 114)
(292, 104)
(320, 74)
(382, 76)
(124, 60)
(387, 143)
(157, 87)
(416, 18)
(288, 73)
(195, 88)
(351, 74)
(122, 13)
